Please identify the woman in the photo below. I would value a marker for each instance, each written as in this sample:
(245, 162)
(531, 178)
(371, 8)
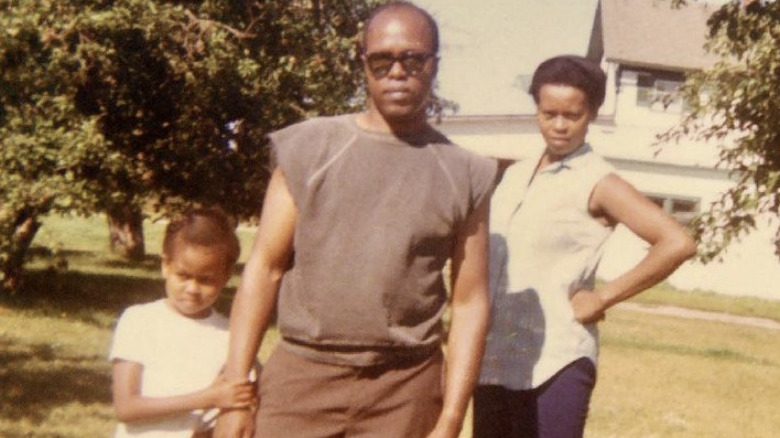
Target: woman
(550, 218)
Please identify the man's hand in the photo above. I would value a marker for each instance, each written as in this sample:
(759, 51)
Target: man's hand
(445, 430)
(235, 423)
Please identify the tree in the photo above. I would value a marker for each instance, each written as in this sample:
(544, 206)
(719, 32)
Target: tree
(134, 106)
(737, 102)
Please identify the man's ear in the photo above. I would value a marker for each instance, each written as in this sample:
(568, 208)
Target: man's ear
(359, 50)
(164, 262)
(360, 57)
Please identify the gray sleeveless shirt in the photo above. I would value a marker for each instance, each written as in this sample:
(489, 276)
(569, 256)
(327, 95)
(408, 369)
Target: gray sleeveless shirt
(377, 220)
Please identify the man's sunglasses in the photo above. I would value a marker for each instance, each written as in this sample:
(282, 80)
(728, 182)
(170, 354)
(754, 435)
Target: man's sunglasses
(380, 63)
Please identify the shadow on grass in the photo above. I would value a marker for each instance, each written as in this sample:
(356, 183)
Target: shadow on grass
(33, 381)
(95, 298)
(88, 297)
(37, 378)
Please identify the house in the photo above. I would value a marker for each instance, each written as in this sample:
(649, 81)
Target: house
(646, 48)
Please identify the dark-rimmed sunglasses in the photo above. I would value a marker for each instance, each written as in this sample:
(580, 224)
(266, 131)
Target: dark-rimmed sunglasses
(380, 63)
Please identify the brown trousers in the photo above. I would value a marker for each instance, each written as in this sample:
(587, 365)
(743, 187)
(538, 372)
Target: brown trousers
(301, 398)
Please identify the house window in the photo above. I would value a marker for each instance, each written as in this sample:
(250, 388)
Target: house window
(682, 209)
(659, 92)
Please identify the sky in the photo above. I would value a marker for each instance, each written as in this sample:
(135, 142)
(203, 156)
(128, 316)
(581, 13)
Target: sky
(486, 45)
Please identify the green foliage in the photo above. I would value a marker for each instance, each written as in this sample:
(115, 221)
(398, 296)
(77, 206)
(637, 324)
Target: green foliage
(126, 104)
(737, 104)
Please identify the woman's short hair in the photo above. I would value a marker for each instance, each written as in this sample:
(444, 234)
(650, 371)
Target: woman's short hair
(574, 71)
(203, 227)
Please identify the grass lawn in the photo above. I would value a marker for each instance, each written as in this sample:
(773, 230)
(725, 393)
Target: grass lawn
(669, 377)
(659, 376)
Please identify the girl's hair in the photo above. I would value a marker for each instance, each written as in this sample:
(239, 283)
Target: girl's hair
(203, 227)
(574, 71)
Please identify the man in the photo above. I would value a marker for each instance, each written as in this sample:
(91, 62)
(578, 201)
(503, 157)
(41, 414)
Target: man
(361, 214)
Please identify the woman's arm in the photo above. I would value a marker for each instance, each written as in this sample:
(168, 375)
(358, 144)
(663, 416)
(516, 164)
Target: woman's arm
(131, 406)
(616, 201)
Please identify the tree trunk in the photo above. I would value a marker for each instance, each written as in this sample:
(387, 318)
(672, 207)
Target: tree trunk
(126, 233)
(24, 232)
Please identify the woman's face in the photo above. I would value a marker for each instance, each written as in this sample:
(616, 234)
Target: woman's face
(563, 116)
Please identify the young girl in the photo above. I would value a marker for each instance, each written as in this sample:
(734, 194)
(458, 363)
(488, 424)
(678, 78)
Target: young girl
(167, 354)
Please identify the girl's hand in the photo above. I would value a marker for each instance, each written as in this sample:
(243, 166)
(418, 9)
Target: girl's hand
(588, 306)
(233, 395)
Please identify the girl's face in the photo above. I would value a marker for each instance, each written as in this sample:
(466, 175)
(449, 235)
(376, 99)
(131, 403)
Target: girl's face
(194, 277)
(563, 116)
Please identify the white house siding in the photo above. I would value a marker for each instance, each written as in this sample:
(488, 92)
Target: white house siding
(687, 171)
(749, 268)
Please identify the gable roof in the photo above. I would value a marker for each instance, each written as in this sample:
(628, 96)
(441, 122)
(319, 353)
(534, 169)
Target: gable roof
(649, 33)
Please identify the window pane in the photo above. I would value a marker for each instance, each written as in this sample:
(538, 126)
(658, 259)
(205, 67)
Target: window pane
(684, 206)
(645, 93)
(657, 200)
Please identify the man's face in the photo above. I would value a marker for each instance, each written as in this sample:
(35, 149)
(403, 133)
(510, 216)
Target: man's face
(400, 65)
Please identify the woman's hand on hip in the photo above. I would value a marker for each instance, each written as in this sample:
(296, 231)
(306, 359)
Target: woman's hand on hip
(588, 306)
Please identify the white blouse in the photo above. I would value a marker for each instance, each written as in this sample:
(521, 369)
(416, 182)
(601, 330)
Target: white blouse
(544, 246)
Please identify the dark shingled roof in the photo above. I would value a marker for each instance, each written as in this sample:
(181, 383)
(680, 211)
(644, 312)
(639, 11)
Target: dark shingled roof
(649, 33)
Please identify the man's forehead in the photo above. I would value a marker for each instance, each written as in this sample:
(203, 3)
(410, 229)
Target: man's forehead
(406, 22)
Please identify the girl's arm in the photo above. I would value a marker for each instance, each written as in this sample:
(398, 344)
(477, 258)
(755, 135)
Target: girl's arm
(617, 201)
(131, 406)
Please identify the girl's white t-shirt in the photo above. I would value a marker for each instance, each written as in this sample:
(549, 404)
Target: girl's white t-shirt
(179, 355)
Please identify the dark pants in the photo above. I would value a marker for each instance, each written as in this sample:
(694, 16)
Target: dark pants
(557, 409)
(307, 399)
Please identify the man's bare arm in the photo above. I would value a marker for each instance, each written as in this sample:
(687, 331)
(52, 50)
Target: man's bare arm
(469, 323)
(256, 297)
